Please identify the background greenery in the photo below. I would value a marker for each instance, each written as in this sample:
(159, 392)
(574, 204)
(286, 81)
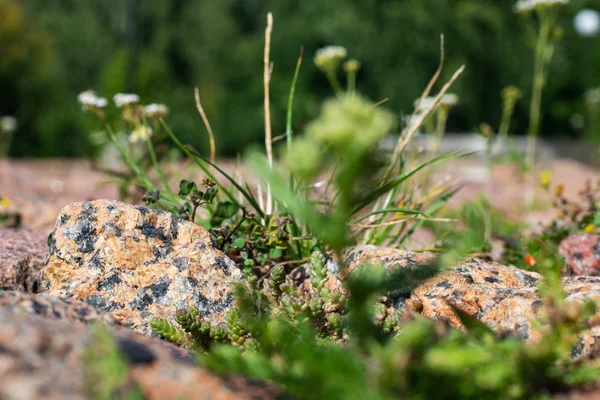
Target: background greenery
(50, 50)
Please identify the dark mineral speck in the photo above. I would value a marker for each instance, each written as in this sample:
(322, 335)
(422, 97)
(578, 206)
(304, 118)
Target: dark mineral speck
(444, 284)
(109, 283)
(136, 353)
(489, 279)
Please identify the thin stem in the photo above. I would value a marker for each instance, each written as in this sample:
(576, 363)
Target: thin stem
(538, 87)
(351, 85)
(288, 124)
(489, 186)
(442, 118)
(130, 163)
(267, 79)
(507, 114)
(211, 136)
(331, 77)
(244, 216)
(407, 131)
(155, 160)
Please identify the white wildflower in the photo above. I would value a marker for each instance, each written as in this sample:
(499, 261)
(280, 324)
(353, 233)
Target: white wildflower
(425, 104)
(592, 97)
(449, 100)
(587, 22)
(523, 6)
(140, 134)
(330, 57)
(89, 100)
(8, 124)
(125, 99)
(156, 111)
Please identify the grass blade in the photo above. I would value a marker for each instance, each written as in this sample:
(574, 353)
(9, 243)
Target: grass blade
(246, 193)
(374, 194)
(389, 210)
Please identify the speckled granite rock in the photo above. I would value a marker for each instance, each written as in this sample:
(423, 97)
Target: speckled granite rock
(137, 263)
(582, 255)
(389, 257)
(41, 358)
(505, 298)
(22, 254)
(71, 310)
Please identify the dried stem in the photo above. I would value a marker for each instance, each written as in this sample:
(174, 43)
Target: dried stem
(267, 78)
(406, 137)
(402, 143)
(211, 136)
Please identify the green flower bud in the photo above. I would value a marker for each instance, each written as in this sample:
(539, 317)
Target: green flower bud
(350, 122)
(328, 59)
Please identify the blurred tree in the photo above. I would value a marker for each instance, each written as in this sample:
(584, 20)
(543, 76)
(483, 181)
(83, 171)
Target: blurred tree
(59, 48)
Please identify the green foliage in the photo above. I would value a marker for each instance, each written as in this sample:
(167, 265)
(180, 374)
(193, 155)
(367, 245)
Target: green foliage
(478, 223)
(471, 365)
(217, 46)
(106, 372)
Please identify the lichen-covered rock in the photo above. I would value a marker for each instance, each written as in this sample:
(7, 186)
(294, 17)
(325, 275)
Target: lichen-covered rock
(137, 263)
(43, 358)
(582, 255)
(504, 298)
(22, 254)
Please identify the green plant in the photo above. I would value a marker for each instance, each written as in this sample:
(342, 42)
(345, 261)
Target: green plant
(545, 39)
(106, 372)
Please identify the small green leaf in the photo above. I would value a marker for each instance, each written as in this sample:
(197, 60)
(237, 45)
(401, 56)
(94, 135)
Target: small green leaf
(185, 188)
(238, 243)
(275, 253)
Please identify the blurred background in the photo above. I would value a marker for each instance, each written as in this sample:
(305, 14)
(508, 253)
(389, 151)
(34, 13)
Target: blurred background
(51, 50)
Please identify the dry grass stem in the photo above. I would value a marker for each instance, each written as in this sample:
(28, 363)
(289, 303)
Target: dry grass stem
(399, 220)
(268, 69)
(211, 136)
(400, 146)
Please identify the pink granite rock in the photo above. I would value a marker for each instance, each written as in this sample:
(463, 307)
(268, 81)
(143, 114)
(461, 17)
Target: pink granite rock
(137, 263)
(582, 254)
(43, 357)
(22, 254)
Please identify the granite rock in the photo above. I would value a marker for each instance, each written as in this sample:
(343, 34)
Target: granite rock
(69, 310)
(42, 358)
(388, 257)
(22, 254)
(582, 255)
(137, 263)
(504, 298)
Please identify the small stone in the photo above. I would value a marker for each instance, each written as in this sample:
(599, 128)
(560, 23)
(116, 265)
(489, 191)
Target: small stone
(22, 254)
(137, 264)
(582, 255)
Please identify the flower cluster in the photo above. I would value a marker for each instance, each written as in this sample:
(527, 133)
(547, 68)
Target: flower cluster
(592, 97)
(156, 111)
(329, 58)
(345, 124)
(140, 134)
(126, 99)
(447, 101)
(524, 6)
(8, 124)
(90, 101)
